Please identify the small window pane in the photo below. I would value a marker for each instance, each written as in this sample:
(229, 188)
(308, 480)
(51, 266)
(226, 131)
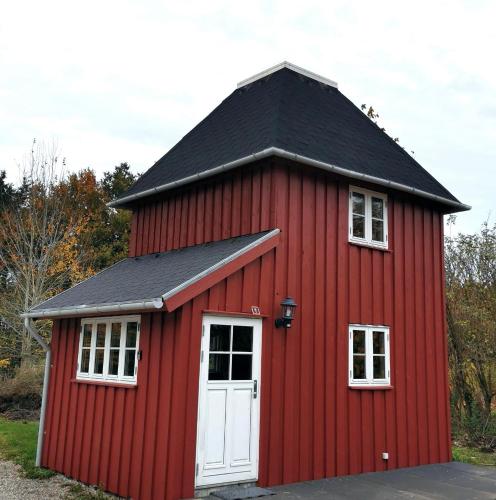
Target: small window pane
(378, 342)
(85, 361)
(358, 366)
(218, 367)
(114, 362)
(358, 226)
(132, 332)
(358, 203)
(241, 367)
(220, 337)
(242, 338)
(377, 208)
(115, 336)
(99, 361)
(377, 230)
(379, 367)
(359, 341)
(100, 334)
(129, 361)
(87, 336)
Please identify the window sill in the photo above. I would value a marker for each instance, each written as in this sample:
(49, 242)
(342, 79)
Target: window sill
(106, 383)
(369, 245)
(371, 387)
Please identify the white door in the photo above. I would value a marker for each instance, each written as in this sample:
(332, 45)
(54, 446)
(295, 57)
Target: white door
(229, 401)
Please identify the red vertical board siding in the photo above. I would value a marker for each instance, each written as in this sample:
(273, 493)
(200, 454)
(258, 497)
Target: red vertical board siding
(141, 442)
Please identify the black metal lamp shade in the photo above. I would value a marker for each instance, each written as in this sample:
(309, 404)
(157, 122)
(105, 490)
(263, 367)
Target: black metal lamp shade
(288, 306)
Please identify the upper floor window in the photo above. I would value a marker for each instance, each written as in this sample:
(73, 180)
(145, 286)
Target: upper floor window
(369, 355)
(108, 349)
(368, 218)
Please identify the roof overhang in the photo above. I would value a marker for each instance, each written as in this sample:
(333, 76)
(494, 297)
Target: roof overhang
(177, 296)
(455, 206)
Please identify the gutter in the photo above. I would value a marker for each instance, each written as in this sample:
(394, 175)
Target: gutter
(273, 151)
(28, 323)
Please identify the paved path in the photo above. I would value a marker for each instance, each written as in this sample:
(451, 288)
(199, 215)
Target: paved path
(453, 481)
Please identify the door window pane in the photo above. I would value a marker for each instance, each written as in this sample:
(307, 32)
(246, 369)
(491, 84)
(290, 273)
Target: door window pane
(377, 230)
(218, 367)
(358, 226)
(129, 361)
(242, 338)
(85, 361)
(220, 337)
(98, 369)
(132, 333)
(358, 203)
(241, 367)
(379, 367)
(358, 366)
(87, 336)
(359, 341)
(377, 208)
(378, 342)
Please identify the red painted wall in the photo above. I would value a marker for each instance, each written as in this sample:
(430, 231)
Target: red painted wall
(141, 442)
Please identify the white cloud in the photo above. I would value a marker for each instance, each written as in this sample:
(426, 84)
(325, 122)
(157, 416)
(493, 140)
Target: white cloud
(123, 80)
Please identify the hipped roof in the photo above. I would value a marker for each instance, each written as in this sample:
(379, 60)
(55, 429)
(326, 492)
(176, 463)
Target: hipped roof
(289, 114)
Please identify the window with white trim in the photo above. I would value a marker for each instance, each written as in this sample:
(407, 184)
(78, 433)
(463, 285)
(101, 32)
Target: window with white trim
(108, 349)
(368, 217)
(369, 355)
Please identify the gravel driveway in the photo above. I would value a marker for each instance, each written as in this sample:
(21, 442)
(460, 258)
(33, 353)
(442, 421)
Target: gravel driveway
(13, 486)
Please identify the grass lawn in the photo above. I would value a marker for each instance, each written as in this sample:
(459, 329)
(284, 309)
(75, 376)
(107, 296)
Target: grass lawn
(473, 456)
(18, 444)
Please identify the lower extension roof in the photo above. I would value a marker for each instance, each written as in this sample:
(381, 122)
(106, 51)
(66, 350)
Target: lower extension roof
(157, 281)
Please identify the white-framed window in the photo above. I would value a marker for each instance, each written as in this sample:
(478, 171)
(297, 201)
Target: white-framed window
(108, 349)
(368, 223)
(369, 355)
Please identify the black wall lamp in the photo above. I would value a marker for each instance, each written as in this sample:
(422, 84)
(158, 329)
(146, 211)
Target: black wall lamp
(288, 306)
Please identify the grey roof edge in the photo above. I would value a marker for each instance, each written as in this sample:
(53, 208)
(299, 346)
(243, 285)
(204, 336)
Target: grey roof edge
(145, 304)
(274, 151)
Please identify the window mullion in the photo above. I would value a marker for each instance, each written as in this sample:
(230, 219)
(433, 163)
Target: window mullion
(369, 355)
(106, 352)
(91, 370)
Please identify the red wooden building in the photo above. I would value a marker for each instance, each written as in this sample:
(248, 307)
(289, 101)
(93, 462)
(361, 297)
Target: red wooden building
(169, 373)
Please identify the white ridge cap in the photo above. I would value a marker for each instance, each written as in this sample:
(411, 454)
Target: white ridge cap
(292, 67)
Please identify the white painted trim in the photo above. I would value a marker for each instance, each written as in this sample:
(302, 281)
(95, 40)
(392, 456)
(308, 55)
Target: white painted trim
(369, 381)
(367, 240)
(146, 304)
(273, 151)
(221, 263)
(293, 67)
(120, 378)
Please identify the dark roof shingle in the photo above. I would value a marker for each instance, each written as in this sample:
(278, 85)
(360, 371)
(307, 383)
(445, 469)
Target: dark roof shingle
(150, 276)
(290, 111)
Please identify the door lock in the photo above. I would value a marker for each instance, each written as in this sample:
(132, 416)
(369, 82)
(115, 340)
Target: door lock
(255, 389)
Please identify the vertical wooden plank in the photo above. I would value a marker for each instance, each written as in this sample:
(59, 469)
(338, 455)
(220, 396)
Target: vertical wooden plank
(246, 202)
(107, 428)
(226, 207)
(217, 222)
(133, 234)
(164, 216)
(255, 201)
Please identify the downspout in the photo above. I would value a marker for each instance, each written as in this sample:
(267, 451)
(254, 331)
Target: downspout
(28, 323)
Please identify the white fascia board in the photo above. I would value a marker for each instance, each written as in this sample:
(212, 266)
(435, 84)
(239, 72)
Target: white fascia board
(282, 153)
(293, 67)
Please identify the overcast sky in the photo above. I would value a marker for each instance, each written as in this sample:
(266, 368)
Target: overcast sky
(115, 81)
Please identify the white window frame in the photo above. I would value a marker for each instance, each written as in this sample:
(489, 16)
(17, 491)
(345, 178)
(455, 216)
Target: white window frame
(369, 368)
(105, 376)
(368, 241)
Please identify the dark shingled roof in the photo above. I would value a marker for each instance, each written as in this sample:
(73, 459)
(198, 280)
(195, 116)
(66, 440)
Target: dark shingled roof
(290, 111)
(148, 277)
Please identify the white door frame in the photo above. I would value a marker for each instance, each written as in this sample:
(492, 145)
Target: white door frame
(205, 477)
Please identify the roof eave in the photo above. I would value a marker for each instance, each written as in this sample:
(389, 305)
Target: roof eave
(456, 206)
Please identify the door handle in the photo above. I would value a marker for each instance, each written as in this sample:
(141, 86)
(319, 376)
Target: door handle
(255, 389)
